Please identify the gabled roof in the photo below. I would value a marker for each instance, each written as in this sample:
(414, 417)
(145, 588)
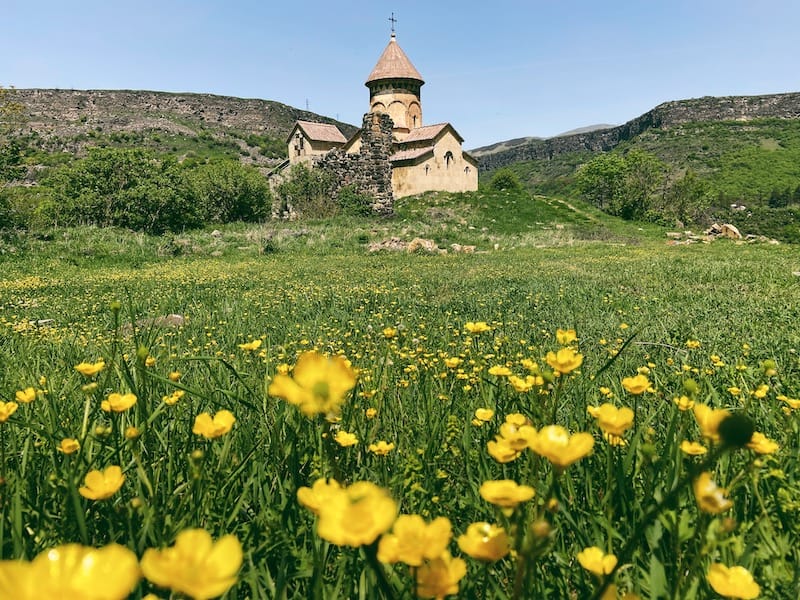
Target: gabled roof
(319, 132)
(429, 132)
(412, 154)
(394, 64)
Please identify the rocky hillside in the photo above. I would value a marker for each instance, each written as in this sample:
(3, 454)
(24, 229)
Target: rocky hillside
(731, 108)
(70, 120)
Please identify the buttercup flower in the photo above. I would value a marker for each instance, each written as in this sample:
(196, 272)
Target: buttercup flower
(317, 495)
(381, 448)
(506, 493)
(196, 565)
(499, 371)
(452, 362)
(760, 444)
(708, 419)
(501, 450)
(566, 336)
(173, 398)
(318, 386)
(25, 396)
(389, 332)
(484, 414)
(90, 369)
(484, 541)
(524, 385)
(636, 385)
(345, 439)
(594, 560)
(118, 402)
(99, 485)
(250, 346)
(732, 582)
(559, 447)
(213, 428)
(7, 409)
(68, 446)
(612, 420)
(72, 572)
(412, 540)
(693, 448)
(683, 403)
(439, 577)
(710, 498)
(356, 515)
(476, 327)
(564, 361)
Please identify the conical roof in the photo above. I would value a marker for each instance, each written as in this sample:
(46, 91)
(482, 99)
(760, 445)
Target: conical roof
(394, 64)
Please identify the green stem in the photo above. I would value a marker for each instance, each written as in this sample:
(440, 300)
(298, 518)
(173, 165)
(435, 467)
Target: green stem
(371, 552)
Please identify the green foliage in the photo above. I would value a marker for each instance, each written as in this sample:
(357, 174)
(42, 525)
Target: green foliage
(121, 187)
(309, 193)
(352, 202)
(686, 200)
(269, 146)
(505, 179)
(228, 191)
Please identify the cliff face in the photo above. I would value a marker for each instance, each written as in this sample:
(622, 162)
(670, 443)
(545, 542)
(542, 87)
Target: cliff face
(663, 116)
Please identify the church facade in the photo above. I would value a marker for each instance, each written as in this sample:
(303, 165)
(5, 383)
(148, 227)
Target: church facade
(420, 157)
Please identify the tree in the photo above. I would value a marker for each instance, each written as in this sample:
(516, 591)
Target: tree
(308, 192)
(505, 179)
(687, 198)
(228, 191)
(601, 179)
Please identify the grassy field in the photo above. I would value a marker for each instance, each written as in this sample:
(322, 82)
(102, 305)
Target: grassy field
(428, 339)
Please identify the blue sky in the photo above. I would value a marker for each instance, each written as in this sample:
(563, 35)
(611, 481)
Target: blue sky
(494, 69)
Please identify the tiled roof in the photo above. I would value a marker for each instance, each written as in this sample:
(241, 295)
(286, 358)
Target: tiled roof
(322, 132)
(428, 132)
(394, 64)
(410, 154)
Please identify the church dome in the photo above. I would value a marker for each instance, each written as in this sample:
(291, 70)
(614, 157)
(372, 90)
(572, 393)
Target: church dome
(394, 64)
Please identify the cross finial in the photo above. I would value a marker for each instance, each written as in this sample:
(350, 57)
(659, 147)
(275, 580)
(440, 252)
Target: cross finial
(393, 21)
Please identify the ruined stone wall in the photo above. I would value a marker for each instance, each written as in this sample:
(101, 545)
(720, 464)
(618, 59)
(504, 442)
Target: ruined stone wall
(369, 169)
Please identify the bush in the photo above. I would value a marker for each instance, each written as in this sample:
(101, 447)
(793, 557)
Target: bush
(228, 191)
(308, 192)
(505, 179)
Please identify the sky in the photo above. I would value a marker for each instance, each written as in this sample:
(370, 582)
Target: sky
(494, 69)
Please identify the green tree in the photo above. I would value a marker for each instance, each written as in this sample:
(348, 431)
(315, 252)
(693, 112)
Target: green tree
(505, 179)
(228, 191)
(687, 199)
(601, 179)
(308, 192)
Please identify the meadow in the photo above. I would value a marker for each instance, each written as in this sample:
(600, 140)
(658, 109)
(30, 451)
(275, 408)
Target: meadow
(311, 392)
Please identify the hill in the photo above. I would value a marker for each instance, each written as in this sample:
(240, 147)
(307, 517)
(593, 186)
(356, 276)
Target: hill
(67, 121)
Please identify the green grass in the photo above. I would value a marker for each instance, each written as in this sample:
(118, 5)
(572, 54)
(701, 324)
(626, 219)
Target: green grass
(633, 305)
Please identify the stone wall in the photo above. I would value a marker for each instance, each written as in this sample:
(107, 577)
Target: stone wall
(369, 169)
(732, 108)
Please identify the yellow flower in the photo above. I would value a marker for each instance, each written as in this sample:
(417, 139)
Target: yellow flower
(371, 413)
(99, 485)
(356, 515)
(594, 560)
(173, 398)
(72, 572)
(761, 391)
(734, 391)
(559, 447)
(517, 436)
(381, 448)
(317, 495)
(524, 385)
(683, 403)
(505, 493)
(792, 402)
(25, 396)
(439, 577)
(118, 402)
(345, 439)
(250, 346)
(90, 369)
(484, 414)
(692, 344)
(213, 428)
(612, 420)
(318, 386)
(693, 448)
(7, 409)
(132, 433)
(564, 361)
(732, 582)
(68, 446)
(566, 336)
(174, 375)
(484, 541)
(412, 540)
(196, 565)
(477, 327)
(452, 362)
(150, 361)
(708, 419)
(501, 450)
(499, 371)
(636, 385)
(389, 332)
(710, 498)
(760, 444)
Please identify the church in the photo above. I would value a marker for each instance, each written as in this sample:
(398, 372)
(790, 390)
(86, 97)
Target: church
(420, 157)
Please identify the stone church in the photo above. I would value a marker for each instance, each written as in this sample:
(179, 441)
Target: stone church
(394, 154)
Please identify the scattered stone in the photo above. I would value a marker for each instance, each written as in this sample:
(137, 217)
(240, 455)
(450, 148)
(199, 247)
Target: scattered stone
(459, 249)
(422, 244)
(216, 234)
(731, 232)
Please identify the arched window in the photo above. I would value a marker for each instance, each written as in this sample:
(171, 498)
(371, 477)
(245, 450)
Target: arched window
(466, 170)
(448, 158)
(427, 168)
